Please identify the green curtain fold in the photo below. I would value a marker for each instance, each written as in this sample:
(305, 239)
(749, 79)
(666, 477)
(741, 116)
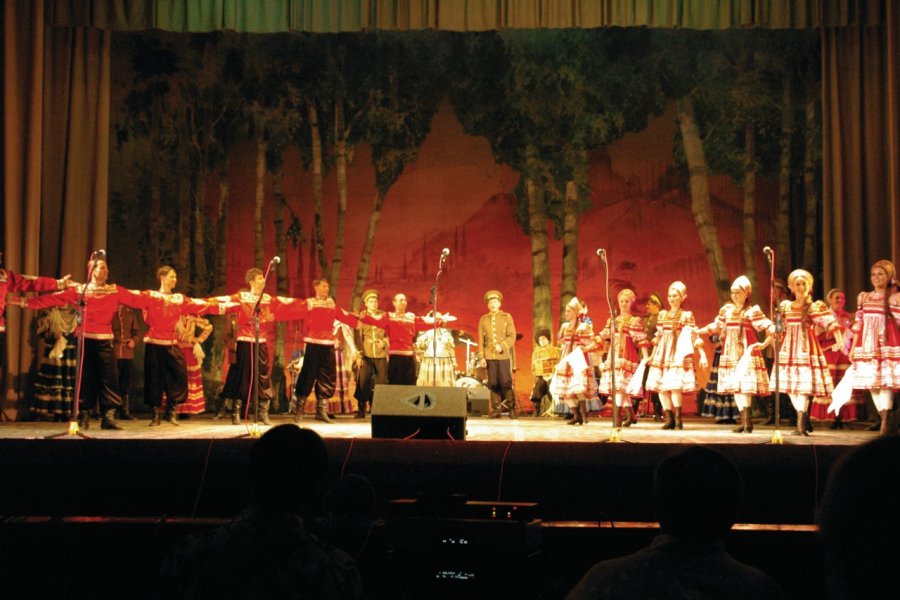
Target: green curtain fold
(332, 16)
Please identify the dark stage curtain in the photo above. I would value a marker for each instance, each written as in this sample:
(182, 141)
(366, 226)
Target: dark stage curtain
(56, 103)
(55, 157)
(329, 16)
(861, 151)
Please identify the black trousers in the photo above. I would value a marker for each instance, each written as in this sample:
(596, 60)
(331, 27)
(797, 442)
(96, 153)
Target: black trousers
(165, 371)
(124, 367)
(372, 372)
(401, 370)
(318, 370)
(237, 382)
(499, 374)
(99, 376)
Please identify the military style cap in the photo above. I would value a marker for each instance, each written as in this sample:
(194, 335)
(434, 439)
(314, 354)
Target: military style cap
(493, 294)
(367, 293)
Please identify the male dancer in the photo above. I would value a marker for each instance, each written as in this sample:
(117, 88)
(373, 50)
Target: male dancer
(496, 336)
(372, 361)
(100, 377)
(14, 282)
(165, 370)
(319, 369)
(401, 328)
(240, 375)
(126, 334)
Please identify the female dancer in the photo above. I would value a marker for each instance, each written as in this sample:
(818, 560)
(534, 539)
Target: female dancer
(629, 338)
(876, 345)
(838, 362)
(738, 321)
(804, 370)
(574, 381)
(671, 368)
(192, 331)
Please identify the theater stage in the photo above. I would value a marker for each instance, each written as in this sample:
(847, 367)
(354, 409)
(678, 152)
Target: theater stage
(696, 430)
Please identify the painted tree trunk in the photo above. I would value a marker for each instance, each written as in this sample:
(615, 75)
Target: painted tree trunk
(221, 267)
(810, 161)
(750, 248)
(341, 157)
(569, 287)
(700, 202)
(278, 271)
(312, 114)
(199, 267)
(260, 197)
(541, 315)
(362, 270)
(783, 220)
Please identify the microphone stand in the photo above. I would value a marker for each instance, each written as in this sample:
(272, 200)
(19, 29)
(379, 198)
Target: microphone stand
(434, 311)
(254, 376)
(80, 310)
(615, 433)
(775, 311)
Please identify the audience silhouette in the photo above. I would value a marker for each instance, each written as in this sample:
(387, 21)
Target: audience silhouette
(860, 559)
(698, 493)
(267, 550)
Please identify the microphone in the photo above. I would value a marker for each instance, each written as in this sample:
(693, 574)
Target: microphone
(99, 255)
(276, 259)
(768, 252)
(602, 254)
(444, 254)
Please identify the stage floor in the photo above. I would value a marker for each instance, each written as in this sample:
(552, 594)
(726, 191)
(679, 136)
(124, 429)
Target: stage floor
(696, 430)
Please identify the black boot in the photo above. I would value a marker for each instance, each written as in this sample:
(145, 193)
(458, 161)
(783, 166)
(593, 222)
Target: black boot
(496, 406)
(171, 417)
(220, 408)
(883, 428)
(678, 424)
(573, 420)
(84, 419)
(236, 412)
(657, 409)
(511, 404)
(124, 411)
(616, 414)
(742, 427)
(630, 416)
(264, 412)
(748, 421)
(582, 404)
(670, 420)
(322, 411)
(769, 404)
(837, 423)
(109, 419)
(154, 420)
(801, 424)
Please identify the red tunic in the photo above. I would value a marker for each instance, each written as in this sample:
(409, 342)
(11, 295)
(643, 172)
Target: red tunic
(271, 309)
(319, 316)
(400, 329)
(164, 311)
(13, 282)
(101, 304)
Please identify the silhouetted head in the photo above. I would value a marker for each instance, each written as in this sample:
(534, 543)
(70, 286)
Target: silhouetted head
(699, 492)
(860, 532)
(287, 469)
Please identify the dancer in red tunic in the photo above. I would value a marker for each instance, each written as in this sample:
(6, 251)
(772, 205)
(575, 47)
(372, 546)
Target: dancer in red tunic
(100, 378)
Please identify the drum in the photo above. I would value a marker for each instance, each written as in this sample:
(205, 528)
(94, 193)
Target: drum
(465, 381)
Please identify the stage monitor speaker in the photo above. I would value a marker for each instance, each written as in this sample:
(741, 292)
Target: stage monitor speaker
(417, 412)
(478, 401)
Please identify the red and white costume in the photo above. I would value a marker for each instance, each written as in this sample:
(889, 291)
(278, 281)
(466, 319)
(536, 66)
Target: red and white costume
(737, 329)
(630, 338)
(667, 371)
(876, 349)
(804, 370)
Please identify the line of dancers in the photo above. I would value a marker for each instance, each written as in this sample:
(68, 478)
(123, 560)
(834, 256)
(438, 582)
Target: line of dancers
(663, 365)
